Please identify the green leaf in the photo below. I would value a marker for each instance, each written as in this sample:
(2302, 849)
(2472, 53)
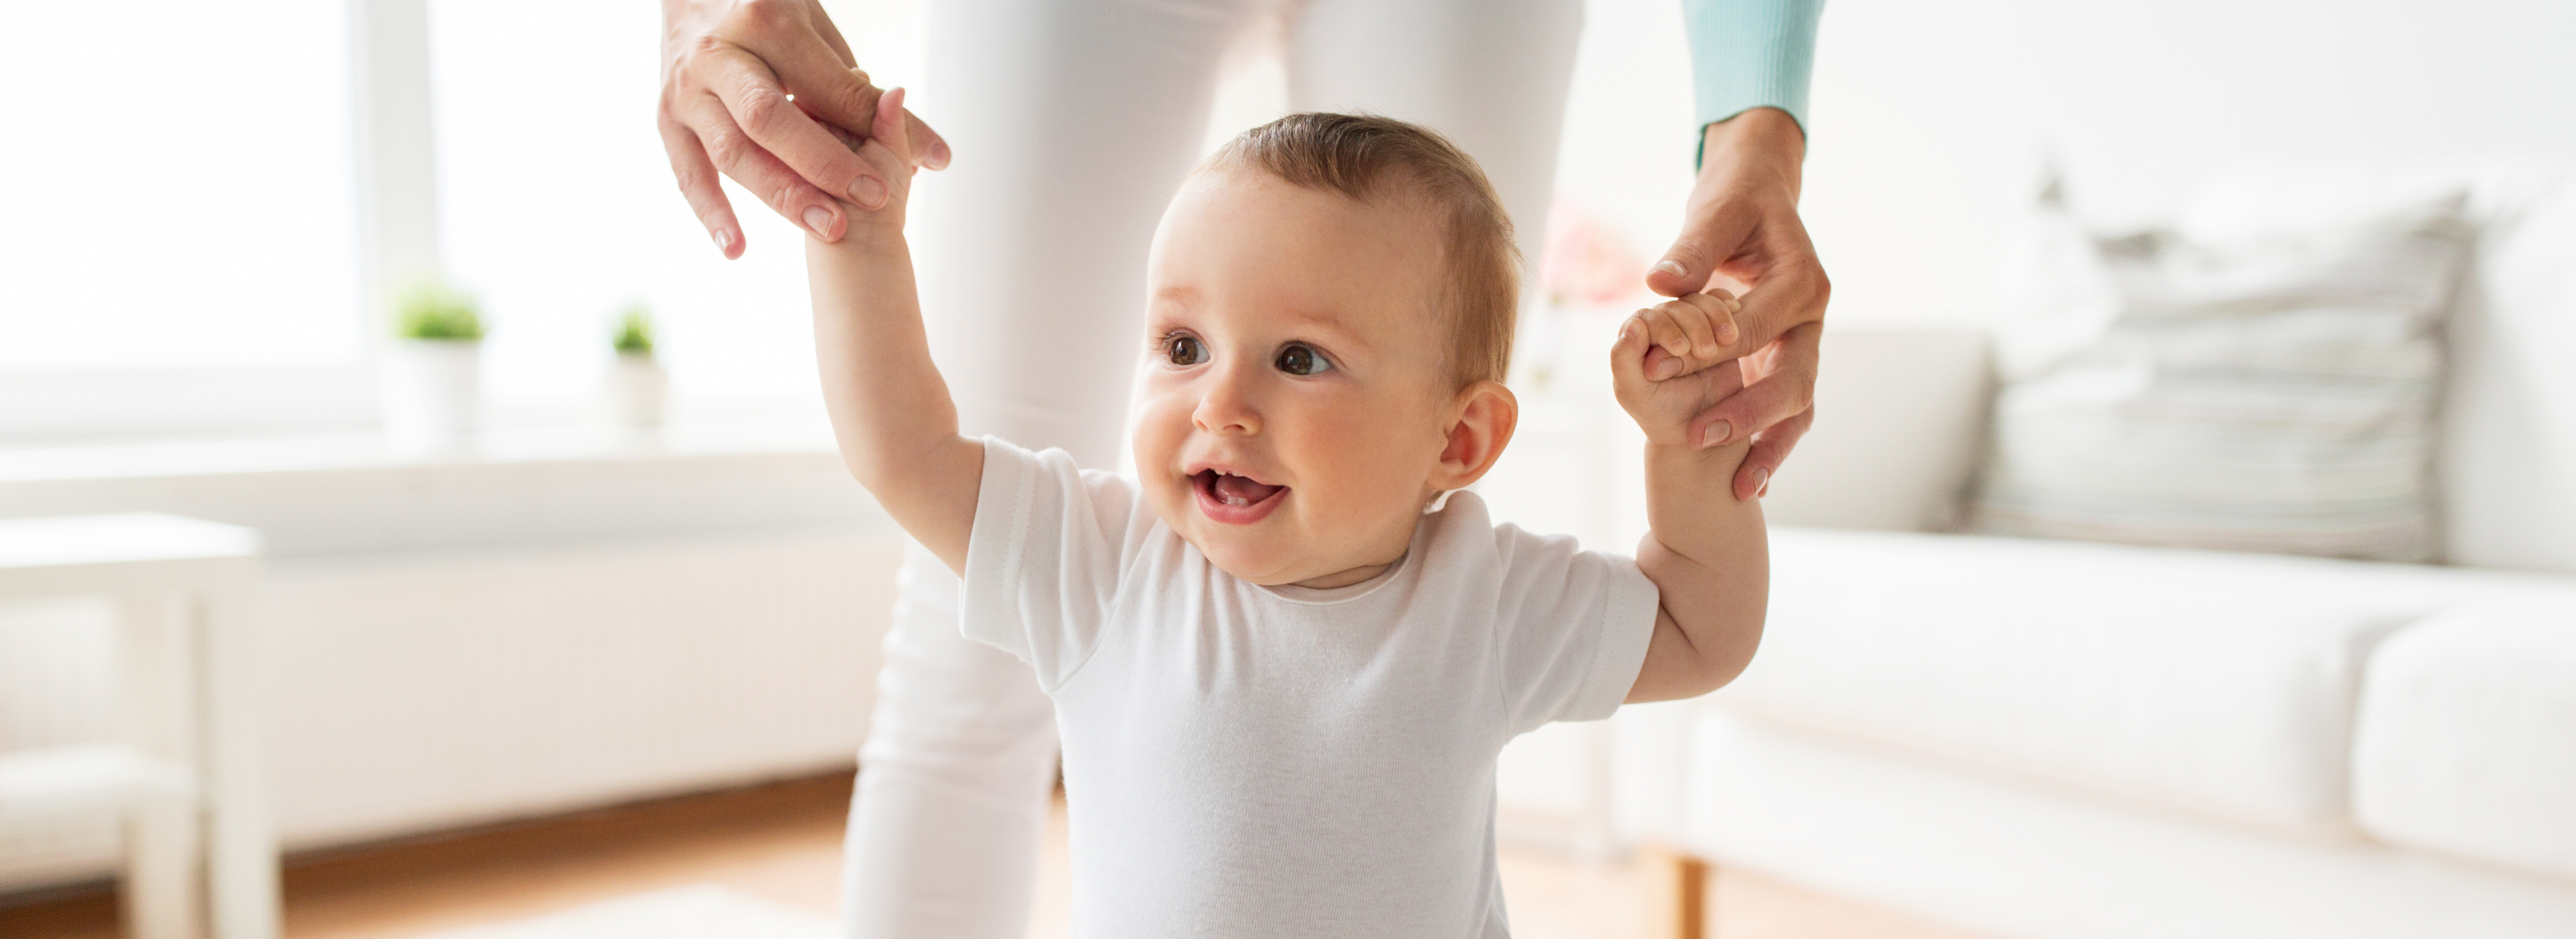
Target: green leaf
(634, 334)
(434, 310)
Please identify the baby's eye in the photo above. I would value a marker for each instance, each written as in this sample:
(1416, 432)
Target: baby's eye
(1302, 359)
(1184, 350)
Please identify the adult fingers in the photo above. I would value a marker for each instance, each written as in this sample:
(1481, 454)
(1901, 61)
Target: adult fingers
(1770, 449)
(1785, 389)
(821, 22)
(826, 83)
(928, 148)
(776, 185)
(823, 80)
(756, 97)
(1790, 291)
(700, 185)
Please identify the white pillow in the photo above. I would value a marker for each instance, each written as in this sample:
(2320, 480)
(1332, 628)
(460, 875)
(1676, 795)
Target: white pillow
(2261, 385)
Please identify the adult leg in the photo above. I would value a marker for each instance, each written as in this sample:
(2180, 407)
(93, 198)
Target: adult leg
(1489, 74)
(1073, 121)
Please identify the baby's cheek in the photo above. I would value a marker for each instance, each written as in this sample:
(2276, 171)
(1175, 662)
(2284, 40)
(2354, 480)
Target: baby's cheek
(1161, 428)
(1380, 460)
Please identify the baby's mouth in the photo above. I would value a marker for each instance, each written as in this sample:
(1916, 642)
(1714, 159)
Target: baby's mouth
(1237, 499)
(1233, 490)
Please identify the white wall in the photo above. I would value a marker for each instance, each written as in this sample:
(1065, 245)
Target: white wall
(1929, 120)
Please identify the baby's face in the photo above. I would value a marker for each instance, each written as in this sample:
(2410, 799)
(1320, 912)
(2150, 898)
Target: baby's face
(1293, 401)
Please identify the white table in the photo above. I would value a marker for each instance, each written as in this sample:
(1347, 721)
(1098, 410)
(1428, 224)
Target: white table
(189, 770)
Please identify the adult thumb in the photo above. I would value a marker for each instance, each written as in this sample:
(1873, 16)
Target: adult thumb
(1708, 239)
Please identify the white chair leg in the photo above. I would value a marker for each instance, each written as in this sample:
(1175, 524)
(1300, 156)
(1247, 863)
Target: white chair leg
(241, 842)
(164, 868)
(163, 892)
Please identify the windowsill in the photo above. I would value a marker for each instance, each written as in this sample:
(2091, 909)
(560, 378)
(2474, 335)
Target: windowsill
(344, 494)
(347, 452)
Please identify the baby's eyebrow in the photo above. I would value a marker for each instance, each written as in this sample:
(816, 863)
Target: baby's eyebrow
(1327, 332)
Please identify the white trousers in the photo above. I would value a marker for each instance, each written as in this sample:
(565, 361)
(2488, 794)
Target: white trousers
(1073, 122)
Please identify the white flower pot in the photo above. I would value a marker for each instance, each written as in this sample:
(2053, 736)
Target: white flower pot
(430, 391)
(637, 392)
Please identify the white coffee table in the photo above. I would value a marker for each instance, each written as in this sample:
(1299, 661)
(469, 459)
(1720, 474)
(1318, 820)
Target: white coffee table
(188, 771)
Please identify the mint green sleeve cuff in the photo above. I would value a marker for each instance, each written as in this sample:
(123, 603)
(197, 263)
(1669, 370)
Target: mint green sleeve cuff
(1748, 54)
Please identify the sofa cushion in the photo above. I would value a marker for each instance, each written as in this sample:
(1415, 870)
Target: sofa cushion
(2216, 683)
(2507, 453)
(1894, 462)
(2253, 388)
(2508, 465)
(2466, 741)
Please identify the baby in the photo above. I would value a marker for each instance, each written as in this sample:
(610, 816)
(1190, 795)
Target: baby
(1282, 664)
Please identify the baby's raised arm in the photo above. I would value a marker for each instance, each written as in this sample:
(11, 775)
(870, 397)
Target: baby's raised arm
(1706, 551)
(890, 409)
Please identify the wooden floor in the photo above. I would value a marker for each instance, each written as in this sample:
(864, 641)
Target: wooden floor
(782, 842)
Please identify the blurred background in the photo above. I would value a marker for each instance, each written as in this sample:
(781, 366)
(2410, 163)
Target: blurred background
(2186, 545)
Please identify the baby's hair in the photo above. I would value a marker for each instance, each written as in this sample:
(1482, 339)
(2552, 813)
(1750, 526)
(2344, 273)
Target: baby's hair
(1367, 157)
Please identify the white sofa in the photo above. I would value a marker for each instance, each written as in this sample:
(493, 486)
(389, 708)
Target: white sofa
(2060, 740)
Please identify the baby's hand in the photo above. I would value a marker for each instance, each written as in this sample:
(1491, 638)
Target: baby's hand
(1666, 370)
(888, 147)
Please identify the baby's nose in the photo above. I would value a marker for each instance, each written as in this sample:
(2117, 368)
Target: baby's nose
(1227, 408)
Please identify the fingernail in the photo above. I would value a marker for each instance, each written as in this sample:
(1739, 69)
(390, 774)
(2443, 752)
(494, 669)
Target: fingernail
(1715, 434)
(819, 219)
(1671, 267)
(939, 155)
(1667, 368)
(724, 240)
(1761, 482)
(868, 192)
(1727, 335)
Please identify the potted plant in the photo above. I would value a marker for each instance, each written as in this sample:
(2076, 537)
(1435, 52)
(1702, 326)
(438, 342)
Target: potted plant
(432, 372)
(637, 386)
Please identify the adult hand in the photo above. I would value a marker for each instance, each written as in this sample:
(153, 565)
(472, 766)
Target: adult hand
(744, 83)
(1742, 228)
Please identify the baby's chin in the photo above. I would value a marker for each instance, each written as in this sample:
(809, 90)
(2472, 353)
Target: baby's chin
(1247, 556)
(1259, 557)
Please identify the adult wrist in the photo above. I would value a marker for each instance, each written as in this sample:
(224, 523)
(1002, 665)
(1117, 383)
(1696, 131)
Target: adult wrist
(1762, 141)
(1767, 128)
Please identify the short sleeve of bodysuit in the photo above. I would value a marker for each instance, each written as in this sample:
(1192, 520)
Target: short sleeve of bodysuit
(1573, 627)
(1050, 547)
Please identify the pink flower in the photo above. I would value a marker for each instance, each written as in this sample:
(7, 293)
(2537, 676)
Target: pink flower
(1587, 262)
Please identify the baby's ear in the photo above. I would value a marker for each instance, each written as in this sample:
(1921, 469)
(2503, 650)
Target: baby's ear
(1486, 418)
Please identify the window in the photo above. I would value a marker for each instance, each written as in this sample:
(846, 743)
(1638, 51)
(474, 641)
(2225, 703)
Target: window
(184, 250)
(556, 205)
(190, 214)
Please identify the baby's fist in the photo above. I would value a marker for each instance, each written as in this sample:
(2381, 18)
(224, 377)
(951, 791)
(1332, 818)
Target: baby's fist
(888, 149)
(1666, 370)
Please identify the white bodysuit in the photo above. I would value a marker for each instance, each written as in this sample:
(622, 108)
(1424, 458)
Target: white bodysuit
(1246, 761)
